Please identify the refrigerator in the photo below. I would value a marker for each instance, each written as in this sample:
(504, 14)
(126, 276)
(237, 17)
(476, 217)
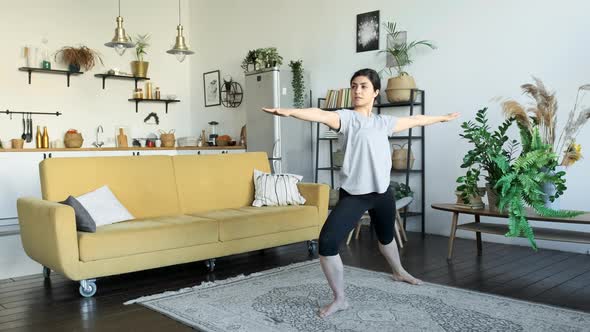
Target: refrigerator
(287, 141)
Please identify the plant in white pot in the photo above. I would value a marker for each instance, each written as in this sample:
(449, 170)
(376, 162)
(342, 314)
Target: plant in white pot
(139, 67)
(399, 87)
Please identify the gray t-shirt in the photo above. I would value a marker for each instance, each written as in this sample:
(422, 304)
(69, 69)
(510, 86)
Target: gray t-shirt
(367, 154)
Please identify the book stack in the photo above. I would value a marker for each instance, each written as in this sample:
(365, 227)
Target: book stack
(341, 98)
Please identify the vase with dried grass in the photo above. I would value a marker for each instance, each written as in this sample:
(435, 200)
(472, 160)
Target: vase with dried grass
(78, 57)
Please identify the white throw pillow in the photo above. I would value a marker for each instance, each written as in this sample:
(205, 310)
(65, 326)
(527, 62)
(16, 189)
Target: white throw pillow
(104, 207)
(276, 189)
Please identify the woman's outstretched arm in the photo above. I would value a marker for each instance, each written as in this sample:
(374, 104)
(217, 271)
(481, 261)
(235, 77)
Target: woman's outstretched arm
(330, 119)
(422, 120)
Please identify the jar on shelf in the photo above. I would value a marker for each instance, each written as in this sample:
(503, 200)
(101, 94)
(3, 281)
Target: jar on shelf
(137, 94)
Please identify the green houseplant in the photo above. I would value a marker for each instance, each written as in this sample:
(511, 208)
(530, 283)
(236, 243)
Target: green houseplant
(78, 57)
(487, 145)
(139, 67)
(398, 87)
(297, 83)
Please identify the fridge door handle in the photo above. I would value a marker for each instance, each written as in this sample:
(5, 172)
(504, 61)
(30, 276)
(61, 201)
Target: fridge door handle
(276, 146)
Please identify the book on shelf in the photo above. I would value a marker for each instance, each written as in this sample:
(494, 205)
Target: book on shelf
(338, 98)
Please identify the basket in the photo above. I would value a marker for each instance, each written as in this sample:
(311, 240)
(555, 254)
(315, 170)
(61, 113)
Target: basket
(399, 158)
(73, 140)
(167, 140)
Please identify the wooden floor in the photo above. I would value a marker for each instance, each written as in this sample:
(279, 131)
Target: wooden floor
(550, 277)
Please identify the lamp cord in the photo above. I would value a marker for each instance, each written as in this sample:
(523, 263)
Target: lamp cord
(179, 22)
(119, 7)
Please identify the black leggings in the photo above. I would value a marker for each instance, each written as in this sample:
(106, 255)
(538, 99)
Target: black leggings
(349, 211)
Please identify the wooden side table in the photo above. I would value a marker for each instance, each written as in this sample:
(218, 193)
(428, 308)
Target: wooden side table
(490, 228)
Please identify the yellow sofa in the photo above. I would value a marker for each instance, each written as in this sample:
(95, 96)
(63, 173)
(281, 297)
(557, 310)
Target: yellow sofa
(187, 208)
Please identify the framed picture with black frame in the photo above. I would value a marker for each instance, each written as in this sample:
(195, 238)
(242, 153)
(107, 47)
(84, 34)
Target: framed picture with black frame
(367, 31)
(212, 88)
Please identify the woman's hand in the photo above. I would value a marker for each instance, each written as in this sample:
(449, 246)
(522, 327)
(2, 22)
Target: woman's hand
(278, 111)
(450, 117)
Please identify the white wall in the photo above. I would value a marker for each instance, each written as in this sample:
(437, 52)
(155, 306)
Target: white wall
(485, 51)
(84, 104)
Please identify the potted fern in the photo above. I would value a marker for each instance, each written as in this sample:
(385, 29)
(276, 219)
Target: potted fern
(399, 87)
(139, 67)
(78, 57)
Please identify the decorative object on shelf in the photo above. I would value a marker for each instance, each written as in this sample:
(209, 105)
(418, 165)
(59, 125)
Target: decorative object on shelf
(261, 58)
(150, 116)
(151, 139)
(139, 68)
(486, 146)
(78, 57)
(46, 64)
(17, 143)
(212, 132)
(73, 139)
(297, 83)
(45, 139)
(180, 48)
(167, 139)
(38, 138)
(399, 158)
(136, 143)
(367, 31)
(211, 88)
(231, 93)
(399, 87)
(121, 41)
(187, 141)
(138, 93)
(122, 141)
(243, 136)
(157, 93)
(148, 90)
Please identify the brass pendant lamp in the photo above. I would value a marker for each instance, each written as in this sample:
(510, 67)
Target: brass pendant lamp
(121, 41)
(180, 49)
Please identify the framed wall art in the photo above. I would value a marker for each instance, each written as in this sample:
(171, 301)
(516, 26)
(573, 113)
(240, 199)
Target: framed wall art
(212, 88)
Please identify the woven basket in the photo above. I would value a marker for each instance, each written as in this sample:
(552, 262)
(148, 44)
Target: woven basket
(167, 140)
(72, 140)
(399, 158)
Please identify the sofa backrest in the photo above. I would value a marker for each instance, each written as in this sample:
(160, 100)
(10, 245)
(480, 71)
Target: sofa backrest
(145, 185)
(214, 182)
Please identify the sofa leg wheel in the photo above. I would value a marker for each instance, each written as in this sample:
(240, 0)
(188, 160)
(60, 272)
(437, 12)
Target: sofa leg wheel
(312, 247)
(46, 272)
(88, 287)
(210, 263)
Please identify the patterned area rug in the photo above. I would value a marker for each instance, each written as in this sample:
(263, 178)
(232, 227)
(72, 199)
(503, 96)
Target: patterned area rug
(287, 299)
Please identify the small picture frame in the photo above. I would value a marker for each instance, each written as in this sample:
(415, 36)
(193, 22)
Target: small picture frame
(367, 31)
(212, 88)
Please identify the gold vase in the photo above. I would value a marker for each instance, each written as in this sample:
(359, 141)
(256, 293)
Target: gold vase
(139, 68)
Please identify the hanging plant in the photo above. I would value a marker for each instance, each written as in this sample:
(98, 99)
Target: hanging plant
(297, 83)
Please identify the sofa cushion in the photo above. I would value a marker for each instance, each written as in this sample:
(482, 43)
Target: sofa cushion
(145, 185)
(250, 221)
(104, 207)
(84, 221)
(215, 182)
(146, 235)
(276, 189)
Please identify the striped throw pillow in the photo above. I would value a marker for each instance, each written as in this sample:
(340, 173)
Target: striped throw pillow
(276, 189)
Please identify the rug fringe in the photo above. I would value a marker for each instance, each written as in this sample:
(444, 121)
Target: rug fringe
(207, 284)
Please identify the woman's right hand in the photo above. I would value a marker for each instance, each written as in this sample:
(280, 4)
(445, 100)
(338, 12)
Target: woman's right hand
(278, 111)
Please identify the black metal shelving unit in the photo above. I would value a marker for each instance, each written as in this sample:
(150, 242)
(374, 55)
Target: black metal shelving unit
(419, 101)
(120, 77)
(140, 100)
(68, 73)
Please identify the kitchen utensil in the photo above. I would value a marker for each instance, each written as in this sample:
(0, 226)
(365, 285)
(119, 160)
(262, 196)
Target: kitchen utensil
(24, 135)
(30, 132)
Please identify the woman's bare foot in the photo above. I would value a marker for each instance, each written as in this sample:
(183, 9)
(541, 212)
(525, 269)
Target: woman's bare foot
(406, 277)
(333, 307)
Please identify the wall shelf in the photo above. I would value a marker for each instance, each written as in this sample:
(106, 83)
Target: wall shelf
(120, 77)
(50, 71)
(167, 101)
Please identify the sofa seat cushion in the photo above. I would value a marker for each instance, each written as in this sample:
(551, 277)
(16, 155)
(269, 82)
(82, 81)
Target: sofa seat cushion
(146, 235)
(251, 221)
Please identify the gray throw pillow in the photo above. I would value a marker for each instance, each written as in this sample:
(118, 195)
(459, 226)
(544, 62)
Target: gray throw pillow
(84, 222)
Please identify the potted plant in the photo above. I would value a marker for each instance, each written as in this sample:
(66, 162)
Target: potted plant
(399, 87)
(139, 67)
(468, 190)
(78, 57)
(487, 145)
(543, 116)
(297, 83)
(250, 59)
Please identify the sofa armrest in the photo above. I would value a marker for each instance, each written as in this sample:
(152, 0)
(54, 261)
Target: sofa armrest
(316, 194)
(48, 233)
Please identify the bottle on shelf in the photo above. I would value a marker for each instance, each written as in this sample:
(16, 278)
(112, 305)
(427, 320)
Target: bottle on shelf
(38, 139)
(157, 93)
(45, 139)
(148, 90)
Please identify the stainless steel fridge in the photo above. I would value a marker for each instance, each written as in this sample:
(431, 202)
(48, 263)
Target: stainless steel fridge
(287, 141)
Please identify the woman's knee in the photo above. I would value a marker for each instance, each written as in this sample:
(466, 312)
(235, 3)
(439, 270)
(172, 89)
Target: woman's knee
(328, 246)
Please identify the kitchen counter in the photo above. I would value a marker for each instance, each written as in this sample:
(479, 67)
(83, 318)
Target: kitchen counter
(184, 148)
